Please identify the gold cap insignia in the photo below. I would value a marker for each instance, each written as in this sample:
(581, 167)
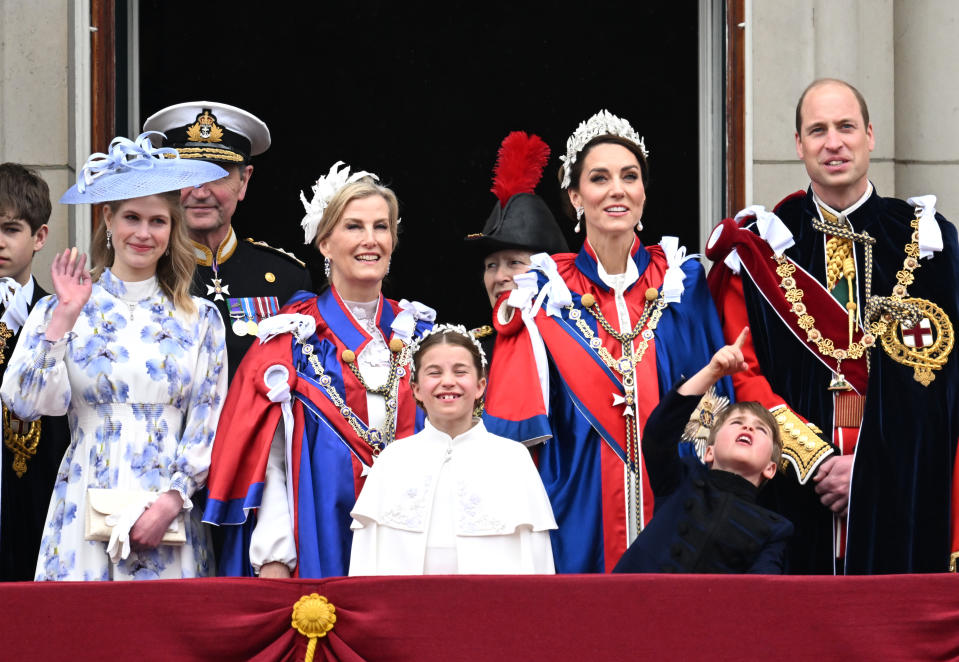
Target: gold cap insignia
(205, 130)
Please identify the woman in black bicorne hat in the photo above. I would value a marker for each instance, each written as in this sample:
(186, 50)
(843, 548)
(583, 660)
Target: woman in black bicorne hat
(520, 224)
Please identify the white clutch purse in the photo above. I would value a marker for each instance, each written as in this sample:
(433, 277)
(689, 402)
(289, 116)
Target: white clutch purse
(105, 506)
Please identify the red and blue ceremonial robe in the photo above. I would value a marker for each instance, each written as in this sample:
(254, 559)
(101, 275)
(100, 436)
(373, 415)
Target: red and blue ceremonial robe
(328, 458)
(583, 462)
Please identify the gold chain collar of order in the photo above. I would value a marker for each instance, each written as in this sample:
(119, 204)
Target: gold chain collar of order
(880, 311)
(377, 439)
(652, 311)
(625, 367)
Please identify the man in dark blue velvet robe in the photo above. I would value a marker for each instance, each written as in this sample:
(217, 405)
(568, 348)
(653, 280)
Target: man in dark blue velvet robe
(851, 298)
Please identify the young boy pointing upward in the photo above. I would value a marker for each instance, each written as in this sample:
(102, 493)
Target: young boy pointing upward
(706, 518)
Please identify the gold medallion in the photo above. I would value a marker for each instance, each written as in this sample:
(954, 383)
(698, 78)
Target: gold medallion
(925, 345)
(252, 328)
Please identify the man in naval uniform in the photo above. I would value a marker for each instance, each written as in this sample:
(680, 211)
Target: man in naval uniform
(851, 300)
(519, 226)
(247, 280)
(32, 450)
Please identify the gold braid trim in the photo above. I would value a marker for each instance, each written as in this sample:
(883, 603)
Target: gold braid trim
(208, 152)
(803, 448)
(952, 561)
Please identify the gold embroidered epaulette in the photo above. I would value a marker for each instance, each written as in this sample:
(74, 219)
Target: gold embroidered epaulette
(482, 331)
(803, 447)
(285, 253)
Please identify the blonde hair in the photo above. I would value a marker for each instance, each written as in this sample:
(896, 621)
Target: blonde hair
(174, 268)
(361, 188)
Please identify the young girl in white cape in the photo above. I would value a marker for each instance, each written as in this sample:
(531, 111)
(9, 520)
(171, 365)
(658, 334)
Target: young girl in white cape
(453, 498)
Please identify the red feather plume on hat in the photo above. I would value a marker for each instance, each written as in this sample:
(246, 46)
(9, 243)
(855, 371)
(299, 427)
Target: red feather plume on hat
(519, 165)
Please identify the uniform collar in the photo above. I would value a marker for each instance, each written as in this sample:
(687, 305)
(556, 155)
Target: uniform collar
(730, 482)
(204, 256)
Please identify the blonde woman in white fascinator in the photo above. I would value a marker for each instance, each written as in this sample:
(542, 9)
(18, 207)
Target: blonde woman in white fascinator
(322, 393)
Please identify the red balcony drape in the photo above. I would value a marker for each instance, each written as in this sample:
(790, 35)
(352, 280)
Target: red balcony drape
(643, 617)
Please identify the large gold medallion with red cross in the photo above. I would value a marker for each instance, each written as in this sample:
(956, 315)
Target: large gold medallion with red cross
(924, 345)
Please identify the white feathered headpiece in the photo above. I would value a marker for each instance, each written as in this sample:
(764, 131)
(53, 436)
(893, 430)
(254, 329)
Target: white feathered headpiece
(323, 191)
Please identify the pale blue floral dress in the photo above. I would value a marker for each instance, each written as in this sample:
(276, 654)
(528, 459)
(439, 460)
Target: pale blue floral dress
(142, 386)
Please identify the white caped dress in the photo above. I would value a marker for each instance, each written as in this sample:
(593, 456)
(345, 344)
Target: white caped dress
(468, 505)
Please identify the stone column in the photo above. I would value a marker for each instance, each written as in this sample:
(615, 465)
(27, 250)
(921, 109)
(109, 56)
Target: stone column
(927, 101)
(34, 105)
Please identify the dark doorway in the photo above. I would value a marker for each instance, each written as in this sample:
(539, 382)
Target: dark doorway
(422, 95)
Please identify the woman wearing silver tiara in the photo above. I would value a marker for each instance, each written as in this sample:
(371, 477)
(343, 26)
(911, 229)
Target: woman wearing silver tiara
(322, 393)
(453, 498)
(138, 366)
(601, 335)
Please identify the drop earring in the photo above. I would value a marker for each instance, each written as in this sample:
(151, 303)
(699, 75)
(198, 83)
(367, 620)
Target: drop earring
(579, 217)
(326, 267)
(109, 237)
